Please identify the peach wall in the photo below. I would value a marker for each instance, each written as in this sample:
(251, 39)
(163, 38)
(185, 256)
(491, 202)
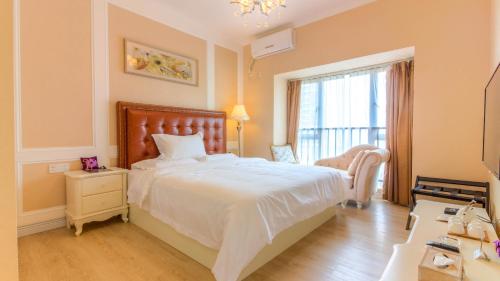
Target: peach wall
(451, 40)
(43, 190)
(495, 60)
(133, 88)
(495, 198)
(56, 71)
(226, 85)
(495, 31)
(8, 223)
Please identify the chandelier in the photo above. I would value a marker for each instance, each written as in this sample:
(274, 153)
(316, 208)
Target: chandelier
(265, 6)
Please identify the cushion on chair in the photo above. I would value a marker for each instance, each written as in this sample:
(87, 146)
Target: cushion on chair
(351, 170)
(283, 153)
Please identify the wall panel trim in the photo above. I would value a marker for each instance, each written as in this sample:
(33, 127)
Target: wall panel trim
(210, 75)
(55, 154)
(18, 87)
(100, 98)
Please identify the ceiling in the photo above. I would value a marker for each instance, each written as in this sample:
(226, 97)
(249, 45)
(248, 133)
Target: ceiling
(219, 15)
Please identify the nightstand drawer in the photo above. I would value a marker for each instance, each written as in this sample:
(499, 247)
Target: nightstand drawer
(99, 185)
(101, 202)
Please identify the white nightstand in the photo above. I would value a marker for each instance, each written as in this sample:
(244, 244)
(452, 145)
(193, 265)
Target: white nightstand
(95, 197)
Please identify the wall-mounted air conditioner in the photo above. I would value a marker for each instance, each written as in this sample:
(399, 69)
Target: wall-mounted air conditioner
(273, 44)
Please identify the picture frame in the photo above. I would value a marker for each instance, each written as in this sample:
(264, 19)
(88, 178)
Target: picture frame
(155, 63)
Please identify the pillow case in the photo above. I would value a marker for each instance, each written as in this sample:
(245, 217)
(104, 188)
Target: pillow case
(158, 163)
(351, 170)
(180, 147)
(217, 157)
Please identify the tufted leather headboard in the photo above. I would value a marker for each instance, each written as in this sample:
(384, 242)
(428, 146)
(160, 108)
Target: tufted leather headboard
(137, 122)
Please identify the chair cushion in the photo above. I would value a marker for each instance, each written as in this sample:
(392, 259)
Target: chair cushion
(351, 170)
(283, 153)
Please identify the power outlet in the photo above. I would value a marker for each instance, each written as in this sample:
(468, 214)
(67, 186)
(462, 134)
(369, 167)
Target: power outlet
(58, 168)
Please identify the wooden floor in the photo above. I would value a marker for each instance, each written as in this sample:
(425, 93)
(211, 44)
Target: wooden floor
(355, 245)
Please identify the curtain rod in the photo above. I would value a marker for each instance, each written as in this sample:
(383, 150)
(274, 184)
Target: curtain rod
(358, 69)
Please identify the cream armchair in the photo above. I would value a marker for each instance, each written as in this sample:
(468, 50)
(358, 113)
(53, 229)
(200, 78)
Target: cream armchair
(364, 175)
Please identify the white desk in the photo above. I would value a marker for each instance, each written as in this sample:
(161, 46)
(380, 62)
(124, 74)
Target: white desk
(404, 261)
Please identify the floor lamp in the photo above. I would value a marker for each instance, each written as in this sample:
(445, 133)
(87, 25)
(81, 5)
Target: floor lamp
(239, 114)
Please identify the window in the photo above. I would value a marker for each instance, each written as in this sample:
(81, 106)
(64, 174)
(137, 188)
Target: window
(341, 111)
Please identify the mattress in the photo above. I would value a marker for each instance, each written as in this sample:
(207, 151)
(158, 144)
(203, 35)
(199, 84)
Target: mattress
(234, 205)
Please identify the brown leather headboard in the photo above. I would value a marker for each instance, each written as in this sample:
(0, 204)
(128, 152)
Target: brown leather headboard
(137, 122)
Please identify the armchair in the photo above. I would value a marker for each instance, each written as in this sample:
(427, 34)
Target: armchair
(364, 175)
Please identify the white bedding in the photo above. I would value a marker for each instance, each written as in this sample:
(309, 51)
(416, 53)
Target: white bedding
(235, 205)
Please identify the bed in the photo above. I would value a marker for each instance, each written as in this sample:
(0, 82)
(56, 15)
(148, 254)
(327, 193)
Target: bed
(229, 214)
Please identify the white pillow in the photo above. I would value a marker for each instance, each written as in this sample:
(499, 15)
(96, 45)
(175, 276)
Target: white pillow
(180, 147)
(351, 170)
(158, 163)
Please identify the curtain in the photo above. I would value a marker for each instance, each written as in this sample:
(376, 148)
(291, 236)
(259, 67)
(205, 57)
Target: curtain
(293, 112)
(397, 183)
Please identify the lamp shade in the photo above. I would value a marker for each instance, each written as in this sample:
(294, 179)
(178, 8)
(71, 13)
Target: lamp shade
(239, 113)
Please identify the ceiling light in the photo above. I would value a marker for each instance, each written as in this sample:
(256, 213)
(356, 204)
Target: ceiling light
(265, 6)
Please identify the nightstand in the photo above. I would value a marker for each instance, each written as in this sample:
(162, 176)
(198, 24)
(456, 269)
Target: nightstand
(95, 196)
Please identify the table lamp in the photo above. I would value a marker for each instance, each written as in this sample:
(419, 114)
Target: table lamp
(239, 114)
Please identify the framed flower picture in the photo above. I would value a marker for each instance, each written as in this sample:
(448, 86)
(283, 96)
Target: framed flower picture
(155, 63)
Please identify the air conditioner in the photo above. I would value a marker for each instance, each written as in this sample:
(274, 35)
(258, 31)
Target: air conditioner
(273, 44)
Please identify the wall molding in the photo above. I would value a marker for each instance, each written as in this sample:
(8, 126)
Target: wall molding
(210, 75)
(55, 154)
(18, 80)
(100, 50)
(44, 219)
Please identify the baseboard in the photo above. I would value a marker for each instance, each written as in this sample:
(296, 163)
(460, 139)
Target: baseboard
(43, 215)
(41, 220)
(40, 227)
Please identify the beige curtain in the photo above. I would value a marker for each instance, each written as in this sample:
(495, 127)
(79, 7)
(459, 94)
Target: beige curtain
(293, 112)
(397, 184)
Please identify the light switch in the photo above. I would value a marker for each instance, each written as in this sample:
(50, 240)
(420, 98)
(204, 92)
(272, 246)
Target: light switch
(58, 168)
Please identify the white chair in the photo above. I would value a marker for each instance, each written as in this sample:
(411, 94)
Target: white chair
(364, 172)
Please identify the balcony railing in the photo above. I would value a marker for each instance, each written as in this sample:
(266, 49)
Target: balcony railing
(319, 143)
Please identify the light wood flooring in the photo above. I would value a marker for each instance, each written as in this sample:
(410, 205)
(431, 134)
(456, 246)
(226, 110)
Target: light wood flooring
(355, 245)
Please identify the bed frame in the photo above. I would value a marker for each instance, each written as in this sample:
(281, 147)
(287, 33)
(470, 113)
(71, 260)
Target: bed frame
(136, 123)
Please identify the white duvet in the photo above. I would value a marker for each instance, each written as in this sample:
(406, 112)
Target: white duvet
(234, 205)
